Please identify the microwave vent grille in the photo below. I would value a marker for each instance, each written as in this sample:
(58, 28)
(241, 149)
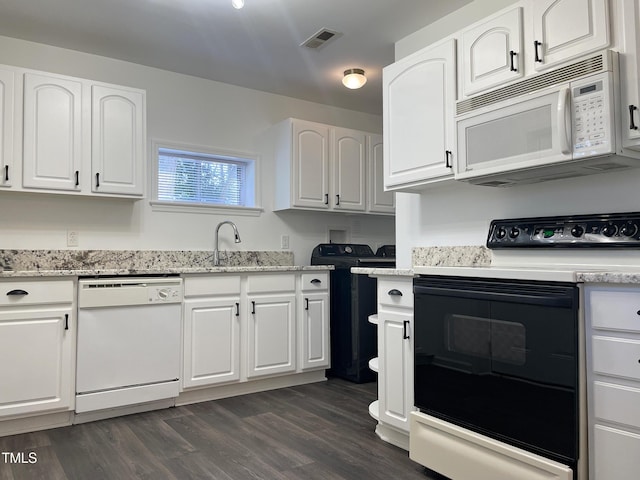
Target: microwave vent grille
(584, 67)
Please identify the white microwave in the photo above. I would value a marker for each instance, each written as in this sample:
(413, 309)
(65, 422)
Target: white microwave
(557, 125)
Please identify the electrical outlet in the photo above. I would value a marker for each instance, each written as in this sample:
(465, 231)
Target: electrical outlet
(72, 238)
(284, 242)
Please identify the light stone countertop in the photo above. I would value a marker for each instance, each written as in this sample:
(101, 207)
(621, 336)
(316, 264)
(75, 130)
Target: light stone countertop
(59, 263)
(381, 272)
(162, 271)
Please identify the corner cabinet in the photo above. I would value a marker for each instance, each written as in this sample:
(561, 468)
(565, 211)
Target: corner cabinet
(613, 380)
(419, 93)
(78, 136)
(380, 200)
(37, 347)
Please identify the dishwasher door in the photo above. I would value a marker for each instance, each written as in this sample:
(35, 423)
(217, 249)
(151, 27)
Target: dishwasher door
(127, 346)
(129, 342)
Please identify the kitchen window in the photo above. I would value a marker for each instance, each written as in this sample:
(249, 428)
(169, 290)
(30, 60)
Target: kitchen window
(200, 179)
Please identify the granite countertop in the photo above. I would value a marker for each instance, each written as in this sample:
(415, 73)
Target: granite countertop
(56, 263)
(477, 261)
(381, 272)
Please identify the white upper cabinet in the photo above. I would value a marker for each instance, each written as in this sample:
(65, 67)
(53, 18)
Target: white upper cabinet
(492, 52)
(419, 92)
(566, 29)
(630, 74)
(311, 165)
(380, 201)
(322, 167)
(348, 172)
(53, 132)
(7, 88)
(117, 140)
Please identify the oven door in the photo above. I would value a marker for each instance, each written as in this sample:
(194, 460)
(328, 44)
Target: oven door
(500, 358)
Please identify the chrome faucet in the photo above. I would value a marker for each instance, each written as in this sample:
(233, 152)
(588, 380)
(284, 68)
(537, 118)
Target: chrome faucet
(216, 252)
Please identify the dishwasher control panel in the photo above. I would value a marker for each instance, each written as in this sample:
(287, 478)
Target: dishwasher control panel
(124, 291)
(164, 294)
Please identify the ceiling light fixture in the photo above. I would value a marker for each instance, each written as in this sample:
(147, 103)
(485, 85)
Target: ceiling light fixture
(237, 4)
(354, 78)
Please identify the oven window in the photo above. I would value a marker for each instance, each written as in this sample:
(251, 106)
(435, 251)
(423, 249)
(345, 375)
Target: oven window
(505, 369)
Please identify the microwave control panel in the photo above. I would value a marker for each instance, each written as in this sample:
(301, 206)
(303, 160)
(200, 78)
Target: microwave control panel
(604, 230)
(592, 130)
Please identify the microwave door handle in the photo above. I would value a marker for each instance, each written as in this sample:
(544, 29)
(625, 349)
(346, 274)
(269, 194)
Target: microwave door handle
(563, 115)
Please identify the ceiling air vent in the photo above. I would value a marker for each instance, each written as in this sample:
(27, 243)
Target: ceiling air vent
(319, 38)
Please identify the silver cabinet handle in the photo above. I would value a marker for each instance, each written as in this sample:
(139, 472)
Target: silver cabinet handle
(395, 292)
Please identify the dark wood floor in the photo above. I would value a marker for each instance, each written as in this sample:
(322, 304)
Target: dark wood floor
(320, 431)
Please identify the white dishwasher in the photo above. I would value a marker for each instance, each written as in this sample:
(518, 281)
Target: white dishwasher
(129, 332)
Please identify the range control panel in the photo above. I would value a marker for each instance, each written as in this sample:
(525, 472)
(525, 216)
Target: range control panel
(601, 230)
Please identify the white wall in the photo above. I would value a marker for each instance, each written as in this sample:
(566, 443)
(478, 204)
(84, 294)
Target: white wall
(180, 109)
(459, 214)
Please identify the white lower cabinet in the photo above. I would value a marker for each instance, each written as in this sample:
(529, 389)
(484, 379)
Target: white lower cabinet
(395, 359)
(271, 334)
(313, 312)
(613, 381)
(211, 341)
(37, 347)
(253, 326)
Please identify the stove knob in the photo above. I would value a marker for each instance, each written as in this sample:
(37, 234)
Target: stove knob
(609, 230)
(514, 232)
(629, 229)
(501, 233)
(577, 231)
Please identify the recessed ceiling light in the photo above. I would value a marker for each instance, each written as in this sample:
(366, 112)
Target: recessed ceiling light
(237, 4)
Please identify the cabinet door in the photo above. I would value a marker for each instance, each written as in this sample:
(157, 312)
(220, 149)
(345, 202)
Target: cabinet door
(492, 52)
(36, 351)
(615, 454)
(379, 200)
(118, 132)
(7, 88)
(310, 165)
(314, 335)
(349, 167)
(419, 92)
(52, 132)
(630, 74)
(395, 376)
(271, 335)
(566, 29)
(211, 341)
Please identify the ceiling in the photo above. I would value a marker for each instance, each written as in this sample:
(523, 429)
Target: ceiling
(257, 47)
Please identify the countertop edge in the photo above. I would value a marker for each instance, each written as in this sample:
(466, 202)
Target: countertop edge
(162, 271)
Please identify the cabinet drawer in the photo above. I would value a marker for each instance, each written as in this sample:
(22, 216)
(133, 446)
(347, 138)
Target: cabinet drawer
(36, 292)
(615, 454)
(616, 309)
(616, 356)
(616, 403)
(271, 282)
(315, 281)
(212, 285)
(395, 293)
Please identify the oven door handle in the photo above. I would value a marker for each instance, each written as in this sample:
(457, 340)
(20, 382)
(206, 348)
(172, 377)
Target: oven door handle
(532, 297)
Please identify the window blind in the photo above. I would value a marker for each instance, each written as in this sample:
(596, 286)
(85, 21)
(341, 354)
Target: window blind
(200, 179)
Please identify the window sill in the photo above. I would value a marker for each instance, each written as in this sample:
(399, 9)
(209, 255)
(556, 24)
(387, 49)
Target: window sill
(175, 207)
